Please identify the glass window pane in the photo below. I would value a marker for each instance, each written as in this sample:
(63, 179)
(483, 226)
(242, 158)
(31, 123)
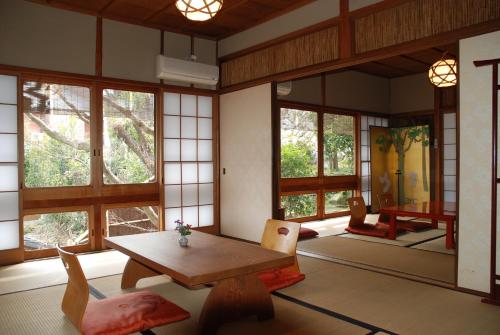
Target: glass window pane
(171, 150)
(190, 216)
(171, 103)
(172, 173)
(45, 231)
(132, 220)
(338, 137)
(188, 127)
(206, 172)
(172, 215)
(8, 89)
(188, 105)
(297, 206)
(205, 106)
(9, 206)
(299, 143)
(189, 173)
(188, 151)
(190, 195)
(172, 196)
(129, 137)
(337, 201)
(205, 150)
(8, 177)
(205, 128)
(8, 119)
(10, 235)
(206, 216)
(171, 126)
(206, 194)
(56, 135)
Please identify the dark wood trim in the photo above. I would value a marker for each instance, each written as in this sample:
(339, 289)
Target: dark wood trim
(470, 291)
(276, 153)
(412, 114)
(345, 31)
(98, 47)
(328, 109)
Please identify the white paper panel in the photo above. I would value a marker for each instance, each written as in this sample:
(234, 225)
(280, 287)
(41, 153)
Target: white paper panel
(8, 147)
(378, 122)
(449, 136)
(364, 123)
(8, 177)
(190, 216)
(205, 106)
(371, 121)
(450, 183)
(385, 123)
(450, 167)
(365, 169)
(364, 138)
(171, 104)
(365, 183)
(172, 173)
(8, 89)
(206, 216)
(449, 120)
(171, 126)
(365, 196)
(205, 128)
(190, 195)
(189, 173)
(204, 150)
(171, 150)
(188, 127)
(450, 196)
(188, 105)
(9, 206)
(172, 196)
(206, 194)
(9, 232)
(188, 150)
(171, 215)
(364, 153)
(8, 119)
(206, 172)
(450, 151)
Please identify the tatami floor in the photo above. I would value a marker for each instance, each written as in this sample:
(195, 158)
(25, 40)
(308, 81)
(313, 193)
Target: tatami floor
(333, 299)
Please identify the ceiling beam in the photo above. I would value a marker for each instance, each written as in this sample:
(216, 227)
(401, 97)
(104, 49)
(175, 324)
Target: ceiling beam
(106, 6)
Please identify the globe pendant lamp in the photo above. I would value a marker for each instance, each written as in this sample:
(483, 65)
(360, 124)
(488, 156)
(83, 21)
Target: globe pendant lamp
(199, 10)
(443, 73)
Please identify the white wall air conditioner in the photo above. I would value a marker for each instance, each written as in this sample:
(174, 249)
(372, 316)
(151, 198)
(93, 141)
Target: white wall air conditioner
(284, 88)
(186, 71)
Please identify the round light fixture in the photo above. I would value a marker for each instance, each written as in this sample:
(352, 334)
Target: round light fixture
(199, 10)
(443, 73)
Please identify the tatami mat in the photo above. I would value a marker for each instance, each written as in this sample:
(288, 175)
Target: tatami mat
(437, 245)
(49, 272)
(402, 240)
(425, 264)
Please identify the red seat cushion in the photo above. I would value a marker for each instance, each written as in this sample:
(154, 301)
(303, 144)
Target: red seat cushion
(378, 230)
(277, 279)
(307, 233)
(129, 313)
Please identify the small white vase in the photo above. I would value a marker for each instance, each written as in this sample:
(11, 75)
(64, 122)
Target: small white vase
(183, 241)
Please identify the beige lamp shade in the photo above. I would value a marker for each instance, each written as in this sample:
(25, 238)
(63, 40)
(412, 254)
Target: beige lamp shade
(199, 10)
(443, 73)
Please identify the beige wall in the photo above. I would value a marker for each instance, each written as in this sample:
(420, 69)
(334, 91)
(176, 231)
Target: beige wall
(37, 36)
(246, 154)
(475, 161)
(411, 93)
(306, 90)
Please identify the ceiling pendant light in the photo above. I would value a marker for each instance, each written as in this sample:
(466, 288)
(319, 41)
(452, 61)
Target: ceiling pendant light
(443, 73)
(199, 10)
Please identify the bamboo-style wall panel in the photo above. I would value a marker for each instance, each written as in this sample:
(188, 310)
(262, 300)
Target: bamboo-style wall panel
(416, 19)
(313, 48)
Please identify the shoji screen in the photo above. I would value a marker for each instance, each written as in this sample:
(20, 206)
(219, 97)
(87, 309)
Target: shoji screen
(188, 160)
(450, 156)
(366, 122)
(9, 186)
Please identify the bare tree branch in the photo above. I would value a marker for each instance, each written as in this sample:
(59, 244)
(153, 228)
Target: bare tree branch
(81, 115)
(128, 113)
(132, 145)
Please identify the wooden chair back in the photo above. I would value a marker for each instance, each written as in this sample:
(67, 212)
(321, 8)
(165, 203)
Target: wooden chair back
(76, 295)
(358, 211)
(282, 236)
(385, 200)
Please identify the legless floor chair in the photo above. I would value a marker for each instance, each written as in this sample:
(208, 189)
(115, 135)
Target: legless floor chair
(281, 236)
(386, 200)
(357, 223)
(124, 314)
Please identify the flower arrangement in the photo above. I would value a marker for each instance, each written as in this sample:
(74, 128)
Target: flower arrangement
(184, 230)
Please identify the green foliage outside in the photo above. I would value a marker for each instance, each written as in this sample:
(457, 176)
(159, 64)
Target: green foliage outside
(297, 206)
(339, 153)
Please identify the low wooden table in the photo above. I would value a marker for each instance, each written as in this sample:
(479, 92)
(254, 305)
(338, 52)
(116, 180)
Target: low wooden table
(230, 264)
(434, 210)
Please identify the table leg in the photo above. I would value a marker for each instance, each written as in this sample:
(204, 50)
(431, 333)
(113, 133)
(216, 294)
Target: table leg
(134, 271)
(434, 224)
(392, 227)
(450, 234)
(232, 299)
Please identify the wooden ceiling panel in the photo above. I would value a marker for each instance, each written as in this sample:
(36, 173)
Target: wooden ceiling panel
(135, 10)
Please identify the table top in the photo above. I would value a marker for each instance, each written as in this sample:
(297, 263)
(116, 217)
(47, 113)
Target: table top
(208, 258)
(431, 209)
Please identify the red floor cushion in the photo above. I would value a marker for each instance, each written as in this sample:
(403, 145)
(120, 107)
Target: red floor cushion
(377, 230)
(307, 233)
(277, 279)
(129, 313)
